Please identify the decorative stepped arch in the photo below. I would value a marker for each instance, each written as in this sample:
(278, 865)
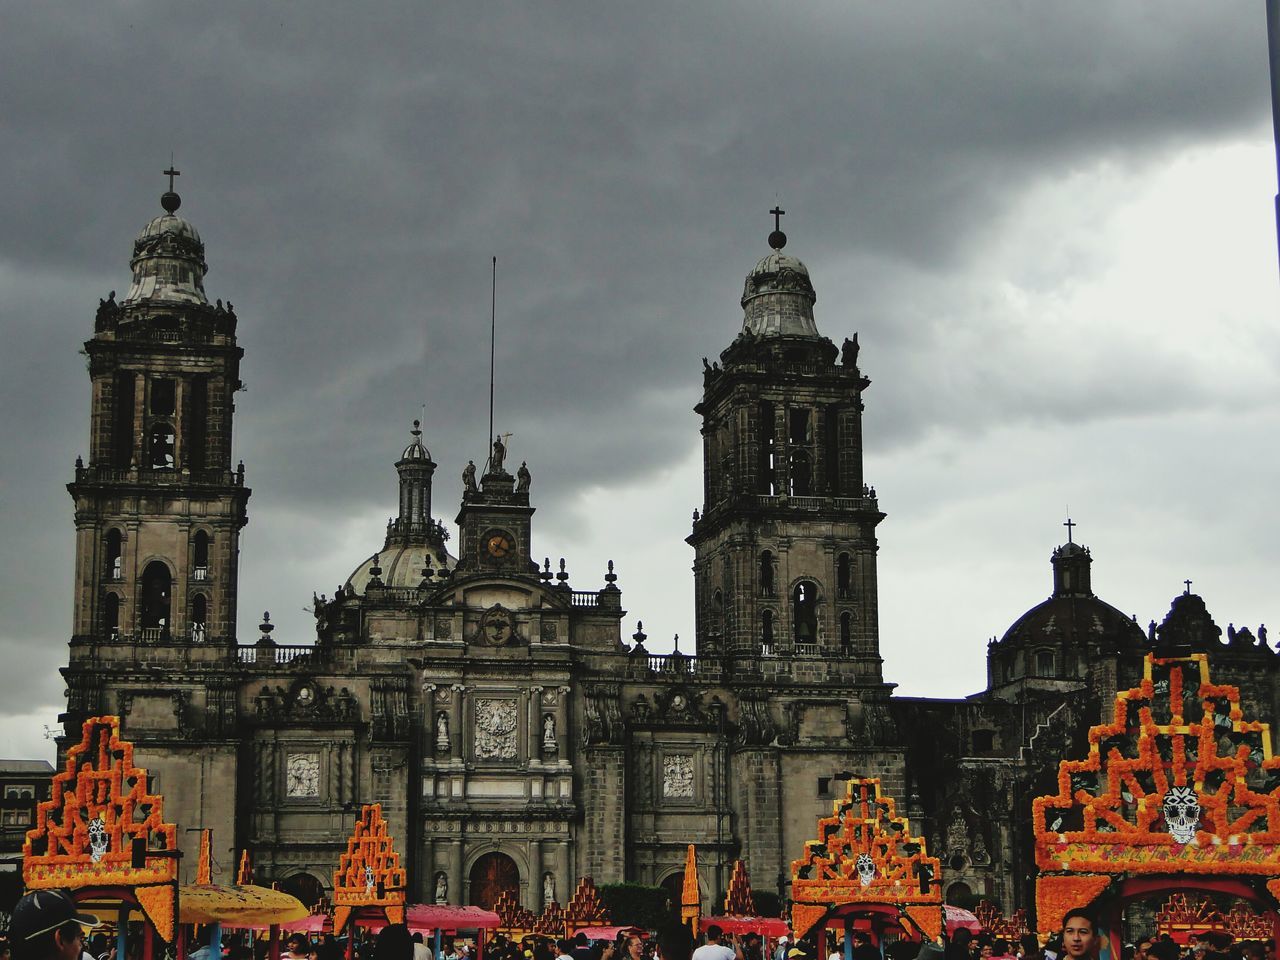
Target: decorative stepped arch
(738, 901)
(369, 876)
(865, 858)
(1180, 792)
(102, 833)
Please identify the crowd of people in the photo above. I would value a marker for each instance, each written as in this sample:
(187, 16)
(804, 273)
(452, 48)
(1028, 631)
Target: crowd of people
(47, 925)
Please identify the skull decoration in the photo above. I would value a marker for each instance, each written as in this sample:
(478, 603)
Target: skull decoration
(1182, 813)
(866, 869)
(368, 880)
(98, 840)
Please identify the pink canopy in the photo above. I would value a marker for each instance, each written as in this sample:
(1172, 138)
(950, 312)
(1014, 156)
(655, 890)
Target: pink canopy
(958, 919)
(432, 916)
(611, 933)
(765, 926)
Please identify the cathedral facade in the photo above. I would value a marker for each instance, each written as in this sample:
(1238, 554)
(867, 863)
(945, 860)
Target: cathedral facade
(516, 736)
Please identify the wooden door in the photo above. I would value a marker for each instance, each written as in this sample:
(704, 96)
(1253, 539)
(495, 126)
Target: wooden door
(491, 876)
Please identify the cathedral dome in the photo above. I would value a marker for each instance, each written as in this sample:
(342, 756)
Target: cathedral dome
(778, 298)
(401, 565)
(415, 450)
(1074, 620)
(168, 260)
(1073, 616)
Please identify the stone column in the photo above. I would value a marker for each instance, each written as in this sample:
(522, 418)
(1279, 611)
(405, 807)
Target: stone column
(565, 879)
(534, 717)
(451, 864)
(457, 746)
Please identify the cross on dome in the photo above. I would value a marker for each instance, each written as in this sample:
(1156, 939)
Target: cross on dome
(777, 239)
(171, 201)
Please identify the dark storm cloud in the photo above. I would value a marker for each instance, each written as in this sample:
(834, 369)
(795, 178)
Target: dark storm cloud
(352, 172)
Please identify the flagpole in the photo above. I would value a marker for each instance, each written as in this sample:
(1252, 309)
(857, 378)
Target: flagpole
(493, 340)
(1273, 53)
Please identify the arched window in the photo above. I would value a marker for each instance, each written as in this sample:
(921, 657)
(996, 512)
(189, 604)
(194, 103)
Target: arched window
(1044, 663)
(200, 556)
(717, 612)
(160, 446)
(111, 614)
(768, 468)
(801, 474)
(199, 617)
(115, 555)
(766, 629)
(766, 573)
(157, 586)
(804, 612)
(844, 577)
(491, 876)
(846, 630)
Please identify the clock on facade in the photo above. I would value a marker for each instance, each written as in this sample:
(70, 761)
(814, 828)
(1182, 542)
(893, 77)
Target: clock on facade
(498, 543)
(302, 775)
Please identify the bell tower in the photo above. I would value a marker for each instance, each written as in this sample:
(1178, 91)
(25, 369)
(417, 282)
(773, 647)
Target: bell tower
(785, 545)
(158, 506)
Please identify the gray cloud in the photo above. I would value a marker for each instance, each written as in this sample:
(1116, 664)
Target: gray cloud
(352, 174)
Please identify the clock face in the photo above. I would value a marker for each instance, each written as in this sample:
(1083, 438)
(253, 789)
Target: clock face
(498, 544)
(302, 775)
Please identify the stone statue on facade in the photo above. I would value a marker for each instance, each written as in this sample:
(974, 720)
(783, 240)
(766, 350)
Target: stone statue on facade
(499, 455)
(549, 745)
(548, 890)
(442, 888)
(523, 478)
(469, 477)
(849, 352)
(442, 732)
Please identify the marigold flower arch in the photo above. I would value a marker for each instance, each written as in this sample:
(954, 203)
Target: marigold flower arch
(369, 873)
(101, 830)
(866, 855)
(1178, 787)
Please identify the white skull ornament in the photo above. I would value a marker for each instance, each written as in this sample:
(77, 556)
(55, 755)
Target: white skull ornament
(369, 882)
(866, 869)
(97, 839)
(1182, 813)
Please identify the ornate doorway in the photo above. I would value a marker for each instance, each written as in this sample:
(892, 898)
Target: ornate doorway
(305, 887)
(491, 876)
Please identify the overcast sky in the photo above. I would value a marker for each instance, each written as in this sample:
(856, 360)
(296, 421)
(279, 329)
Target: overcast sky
(1051, 225)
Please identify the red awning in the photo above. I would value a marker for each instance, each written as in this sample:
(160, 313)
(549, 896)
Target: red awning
(765, 926)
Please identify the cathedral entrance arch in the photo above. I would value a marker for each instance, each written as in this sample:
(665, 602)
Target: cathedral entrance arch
(492, 875)
(305, 887)
(674, 885)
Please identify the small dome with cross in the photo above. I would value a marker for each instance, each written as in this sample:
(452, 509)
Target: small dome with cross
(168, 259)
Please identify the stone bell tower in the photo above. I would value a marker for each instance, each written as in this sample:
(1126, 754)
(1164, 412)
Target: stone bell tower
(158, 506)
(785, 545)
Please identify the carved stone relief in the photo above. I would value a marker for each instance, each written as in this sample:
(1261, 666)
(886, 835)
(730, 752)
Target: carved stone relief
(495, 729)
(677, 776)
